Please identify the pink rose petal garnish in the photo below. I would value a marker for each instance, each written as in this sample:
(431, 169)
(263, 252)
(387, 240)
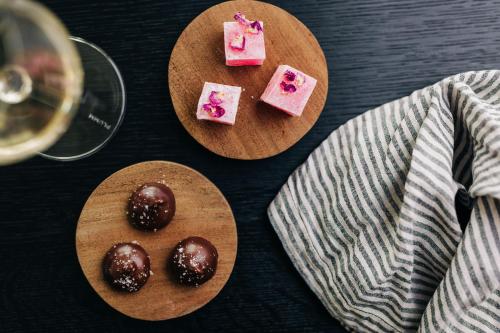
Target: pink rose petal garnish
(300, 80)
(289, 75)
(219, 112)
(207, 107)
(216, 98)
(287, 88)
(238, 42)
(214, 110)
(254, 28)
(256, 25)
(239, 17)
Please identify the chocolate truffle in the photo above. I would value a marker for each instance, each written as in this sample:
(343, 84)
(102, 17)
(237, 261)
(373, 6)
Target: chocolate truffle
(126, 266)
(151, 206)
(193, 261)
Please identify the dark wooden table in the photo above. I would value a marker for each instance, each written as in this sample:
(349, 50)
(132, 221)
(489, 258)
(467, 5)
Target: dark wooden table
(376, 50)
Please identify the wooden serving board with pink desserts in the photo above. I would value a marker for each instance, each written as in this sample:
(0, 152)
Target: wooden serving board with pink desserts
(201, 211)
(260, 130)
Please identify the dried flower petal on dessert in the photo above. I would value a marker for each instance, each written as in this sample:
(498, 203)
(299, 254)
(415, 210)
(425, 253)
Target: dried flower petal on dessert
(287, 88)
(239, 17)
(219, 112)
(216, 98)
(208, 107)
(214, 110)
(238, 42)
(289, 75)
(255, 27)
(300, 79)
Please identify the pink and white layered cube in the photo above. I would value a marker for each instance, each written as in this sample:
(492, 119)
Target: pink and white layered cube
(244, 42)
(289, 90)
(218, 103)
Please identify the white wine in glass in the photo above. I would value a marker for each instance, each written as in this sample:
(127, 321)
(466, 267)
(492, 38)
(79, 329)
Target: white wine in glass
(60, 96)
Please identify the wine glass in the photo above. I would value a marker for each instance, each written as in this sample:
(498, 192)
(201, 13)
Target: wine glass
(60, 96)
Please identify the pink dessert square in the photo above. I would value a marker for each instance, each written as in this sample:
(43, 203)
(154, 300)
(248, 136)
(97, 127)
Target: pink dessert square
(252, 50)
(289, 90)
(218, 103)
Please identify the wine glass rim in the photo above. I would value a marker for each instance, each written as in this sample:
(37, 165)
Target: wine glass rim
(122, 108)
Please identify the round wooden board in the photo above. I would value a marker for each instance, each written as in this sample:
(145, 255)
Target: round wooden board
(201, 210)
(260, 130)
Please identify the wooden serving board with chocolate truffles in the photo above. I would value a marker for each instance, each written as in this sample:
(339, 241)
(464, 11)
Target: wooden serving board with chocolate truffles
(247, 79)
(156, 240)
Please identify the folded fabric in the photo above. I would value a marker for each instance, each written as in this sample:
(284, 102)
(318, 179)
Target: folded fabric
(370, 219)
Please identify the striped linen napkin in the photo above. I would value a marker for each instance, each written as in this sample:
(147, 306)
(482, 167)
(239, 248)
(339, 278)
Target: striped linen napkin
(370, 219)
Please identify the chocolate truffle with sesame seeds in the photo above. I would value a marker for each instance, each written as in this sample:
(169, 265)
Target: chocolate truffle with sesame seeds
(126, 266)
(193, 261)
(151, 207)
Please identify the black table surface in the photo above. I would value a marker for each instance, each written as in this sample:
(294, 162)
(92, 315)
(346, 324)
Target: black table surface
(377, 51)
